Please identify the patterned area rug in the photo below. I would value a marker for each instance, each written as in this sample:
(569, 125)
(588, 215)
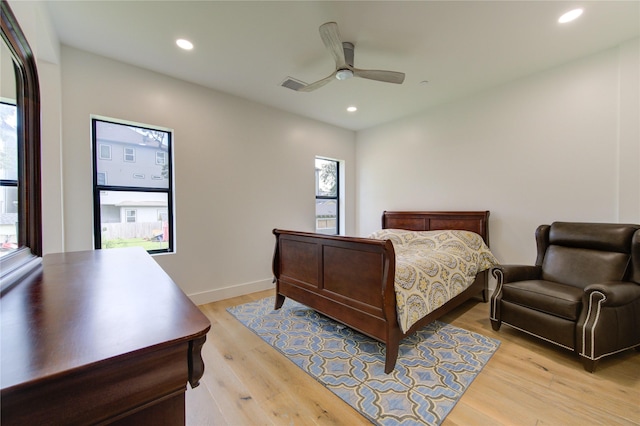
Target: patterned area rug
(434, 367)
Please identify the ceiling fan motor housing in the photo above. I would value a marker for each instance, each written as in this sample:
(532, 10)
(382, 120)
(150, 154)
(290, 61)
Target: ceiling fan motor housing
(344, 74)
(348, 52)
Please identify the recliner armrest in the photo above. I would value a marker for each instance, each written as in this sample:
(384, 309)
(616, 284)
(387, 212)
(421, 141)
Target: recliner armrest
(512, 273)
(506, 274)
(616, 293)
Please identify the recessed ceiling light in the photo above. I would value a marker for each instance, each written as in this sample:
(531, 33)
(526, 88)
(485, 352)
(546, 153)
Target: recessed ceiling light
(184, 44)
(570, 16)
(352, 109)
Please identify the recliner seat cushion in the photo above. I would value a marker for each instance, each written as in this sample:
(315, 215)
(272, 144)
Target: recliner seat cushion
(581, 267)
(553, 298)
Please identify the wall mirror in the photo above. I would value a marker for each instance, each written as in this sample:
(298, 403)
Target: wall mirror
(20, 206)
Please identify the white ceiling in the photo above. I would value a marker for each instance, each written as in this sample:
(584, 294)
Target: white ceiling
(247, 48)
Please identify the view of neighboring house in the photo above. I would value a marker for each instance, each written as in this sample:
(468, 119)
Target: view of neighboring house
(8, 176)
(125, 216)
(126, 157)
(130, 163)
(8, 229)
(326, 217)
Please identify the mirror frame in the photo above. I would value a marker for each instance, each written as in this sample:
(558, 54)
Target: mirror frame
(16, 265)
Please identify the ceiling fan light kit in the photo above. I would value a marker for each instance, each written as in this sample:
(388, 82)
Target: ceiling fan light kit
(343, 54)
(344, 74)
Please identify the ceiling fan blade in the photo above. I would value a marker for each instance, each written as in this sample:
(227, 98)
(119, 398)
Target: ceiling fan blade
(331, 39)
(343, 55)
(386, 76)
(318, 84)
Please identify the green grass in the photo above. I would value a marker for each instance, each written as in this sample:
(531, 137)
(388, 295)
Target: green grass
(135, 242)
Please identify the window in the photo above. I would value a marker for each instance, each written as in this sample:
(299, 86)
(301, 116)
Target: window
(8, 178)
(105, 152)
(102, 178)
(327, 196)
(20, 154)
(129, 155)
(130, 216)
(161, 158)
(126, 208)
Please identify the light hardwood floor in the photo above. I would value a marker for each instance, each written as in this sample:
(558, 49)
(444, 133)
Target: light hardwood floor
(526, 382)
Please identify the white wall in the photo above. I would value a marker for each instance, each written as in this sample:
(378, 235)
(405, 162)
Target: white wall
(52, 165)
(241, 169)
(629, 133)
(560, 145)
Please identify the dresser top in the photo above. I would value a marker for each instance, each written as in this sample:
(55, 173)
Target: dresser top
(82, 308)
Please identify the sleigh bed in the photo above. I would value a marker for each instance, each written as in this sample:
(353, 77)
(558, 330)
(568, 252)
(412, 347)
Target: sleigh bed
(352, 280)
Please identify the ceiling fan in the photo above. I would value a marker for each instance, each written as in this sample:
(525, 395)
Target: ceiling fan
(343, 55)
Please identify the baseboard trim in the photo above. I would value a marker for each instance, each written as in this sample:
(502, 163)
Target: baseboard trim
(231, 291)
(247, 288)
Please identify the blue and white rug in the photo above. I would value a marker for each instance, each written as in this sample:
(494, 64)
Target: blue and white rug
(434, 368)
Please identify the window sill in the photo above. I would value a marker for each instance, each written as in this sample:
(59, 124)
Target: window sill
(15, 267)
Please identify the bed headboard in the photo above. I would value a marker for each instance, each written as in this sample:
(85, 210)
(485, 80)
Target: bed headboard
(477, 221)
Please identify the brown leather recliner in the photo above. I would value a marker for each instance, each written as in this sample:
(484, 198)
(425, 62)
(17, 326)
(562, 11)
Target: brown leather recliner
(582, 294)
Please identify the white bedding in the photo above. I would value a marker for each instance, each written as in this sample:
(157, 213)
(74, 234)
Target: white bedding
(432, 267)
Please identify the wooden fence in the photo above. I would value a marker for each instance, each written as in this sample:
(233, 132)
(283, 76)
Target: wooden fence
(144, 230)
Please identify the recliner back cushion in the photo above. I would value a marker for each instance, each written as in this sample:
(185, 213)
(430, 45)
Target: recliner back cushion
(580, 267)
(594, 236)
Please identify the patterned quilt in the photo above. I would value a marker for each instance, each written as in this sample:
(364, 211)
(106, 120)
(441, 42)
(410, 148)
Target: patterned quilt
(432, 267)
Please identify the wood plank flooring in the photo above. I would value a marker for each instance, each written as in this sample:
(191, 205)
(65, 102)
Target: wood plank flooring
(526, 382)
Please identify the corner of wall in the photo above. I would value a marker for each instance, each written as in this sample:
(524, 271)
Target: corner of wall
(628, 142)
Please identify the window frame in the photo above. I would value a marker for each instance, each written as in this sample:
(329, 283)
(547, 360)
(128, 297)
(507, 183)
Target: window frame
(128, 215)
(102, 157)
(104, 174)
(330, 197)
(164, 158)
(132, 155)
(16, 265)
(97, 220)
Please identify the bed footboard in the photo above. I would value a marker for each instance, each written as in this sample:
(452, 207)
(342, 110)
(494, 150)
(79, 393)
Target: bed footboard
(348, 279)
(352, 279)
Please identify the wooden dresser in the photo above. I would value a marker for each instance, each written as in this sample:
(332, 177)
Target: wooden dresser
(98, 337)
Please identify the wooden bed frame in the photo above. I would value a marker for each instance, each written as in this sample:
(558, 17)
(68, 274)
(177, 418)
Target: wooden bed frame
(352, 279)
